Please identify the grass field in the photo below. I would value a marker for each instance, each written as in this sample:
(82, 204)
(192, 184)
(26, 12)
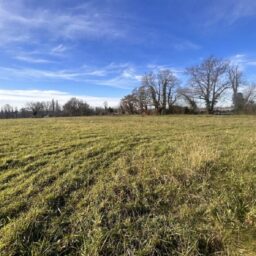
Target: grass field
(174, 185)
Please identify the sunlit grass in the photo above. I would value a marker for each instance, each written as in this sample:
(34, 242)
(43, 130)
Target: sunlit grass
(174, 185)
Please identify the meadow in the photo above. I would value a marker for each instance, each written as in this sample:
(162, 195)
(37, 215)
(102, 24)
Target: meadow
(153, 185)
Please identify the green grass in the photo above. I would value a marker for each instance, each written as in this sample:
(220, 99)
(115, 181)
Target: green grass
(174, 185)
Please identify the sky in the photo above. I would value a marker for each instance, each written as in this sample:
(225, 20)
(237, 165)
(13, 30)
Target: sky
(98, 50)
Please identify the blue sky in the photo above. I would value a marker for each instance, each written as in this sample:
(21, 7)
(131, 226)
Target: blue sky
(99, 49)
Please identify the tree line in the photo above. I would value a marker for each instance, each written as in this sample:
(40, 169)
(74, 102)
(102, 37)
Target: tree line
(73, 107)
(210, 82)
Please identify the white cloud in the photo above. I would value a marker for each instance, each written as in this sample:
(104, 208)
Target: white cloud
(31, 59)
(19, 23)
(178, 71)
(130, 73)
(117, 82)
(113, 75)
(242, 60)
(229, 11)
(19, 98)
(37, 74)
(59, 49)
(241, 8)
(182, 45)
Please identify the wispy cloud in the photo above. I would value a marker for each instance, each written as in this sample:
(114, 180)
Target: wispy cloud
(183, 44)
(123, 76)
(21, 24)
(37, 74)
(31, 59)
(113, 75)
(178, 71)
(243, 60)
(59, 49)
(18, 19)
(19, 98)
(240, 9)
(229, 11)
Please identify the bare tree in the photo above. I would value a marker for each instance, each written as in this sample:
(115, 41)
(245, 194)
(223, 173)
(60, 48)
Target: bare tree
(129, 104)
(209, 81)
(105, 104)
(248, 99)
(37, 108)
(52, 107)
(138, 102)
(236, 80)
(152, 86)
(7, 111)
(76, 107)
(162, 89)
(142, 98)
(188, 96)
(250, 94)
(172, 88)
(57, 109)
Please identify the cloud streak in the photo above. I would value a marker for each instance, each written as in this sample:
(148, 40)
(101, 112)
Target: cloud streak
(19, 98)
(243, 61)
(230, 11)
(113, 75)
(18, 19)
(30, 59)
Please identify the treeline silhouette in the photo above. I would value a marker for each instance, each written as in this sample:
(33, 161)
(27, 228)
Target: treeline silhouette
(209, 83)
(161, 92)
(74, 107)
